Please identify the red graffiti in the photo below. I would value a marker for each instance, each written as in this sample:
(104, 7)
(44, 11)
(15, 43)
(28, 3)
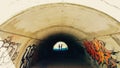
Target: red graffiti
(96, 49)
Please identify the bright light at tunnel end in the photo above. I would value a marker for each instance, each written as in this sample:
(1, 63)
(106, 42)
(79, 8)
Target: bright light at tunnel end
(60, 46)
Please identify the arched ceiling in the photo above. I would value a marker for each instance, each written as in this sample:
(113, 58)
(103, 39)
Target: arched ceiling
(43, 20)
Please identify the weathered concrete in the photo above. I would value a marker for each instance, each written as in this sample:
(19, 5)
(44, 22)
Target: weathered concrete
(36, 23)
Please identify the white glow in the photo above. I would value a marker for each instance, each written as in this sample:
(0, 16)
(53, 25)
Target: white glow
(60, 46)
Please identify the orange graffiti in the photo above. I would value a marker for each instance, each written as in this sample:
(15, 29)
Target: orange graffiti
(96, 49)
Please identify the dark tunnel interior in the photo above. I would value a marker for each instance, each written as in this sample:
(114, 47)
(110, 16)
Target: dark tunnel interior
(45, 57)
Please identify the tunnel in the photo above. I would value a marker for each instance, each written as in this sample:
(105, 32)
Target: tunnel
(74, 57)
(60, 35)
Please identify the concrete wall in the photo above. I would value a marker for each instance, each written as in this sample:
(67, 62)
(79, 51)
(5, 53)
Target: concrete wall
(38, 22)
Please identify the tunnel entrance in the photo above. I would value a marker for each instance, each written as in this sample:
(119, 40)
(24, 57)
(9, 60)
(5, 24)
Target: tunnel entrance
(46, 57)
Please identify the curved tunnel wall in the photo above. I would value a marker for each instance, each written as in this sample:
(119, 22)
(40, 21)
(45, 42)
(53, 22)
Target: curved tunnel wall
(74, 55)
(57, 16)
(37, 23)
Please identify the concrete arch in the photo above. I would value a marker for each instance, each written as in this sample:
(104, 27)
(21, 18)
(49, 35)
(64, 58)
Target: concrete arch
(38, 22)
(43, 17)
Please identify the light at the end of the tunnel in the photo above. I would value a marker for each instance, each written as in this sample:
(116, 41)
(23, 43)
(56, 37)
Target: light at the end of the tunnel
(60, 46)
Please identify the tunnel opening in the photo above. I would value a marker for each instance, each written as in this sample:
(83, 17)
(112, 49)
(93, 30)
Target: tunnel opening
(45, 55)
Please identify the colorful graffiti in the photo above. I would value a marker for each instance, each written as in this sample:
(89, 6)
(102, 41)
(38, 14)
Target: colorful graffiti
(96, 49)
(8, 50)
(27, 57)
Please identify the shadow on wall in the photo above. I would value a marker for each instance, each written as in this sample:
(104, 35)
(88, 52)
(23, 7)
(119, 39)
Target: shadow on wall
(74, 57)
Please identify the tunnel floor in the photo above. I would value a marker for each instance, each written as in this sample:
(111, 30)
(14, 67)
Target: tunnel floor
(63, 63)
(74, 57)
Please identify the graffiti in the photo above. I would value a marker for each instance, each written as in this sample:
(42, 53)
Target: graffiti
(27, 57)
(8, 50)
(96, 49)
